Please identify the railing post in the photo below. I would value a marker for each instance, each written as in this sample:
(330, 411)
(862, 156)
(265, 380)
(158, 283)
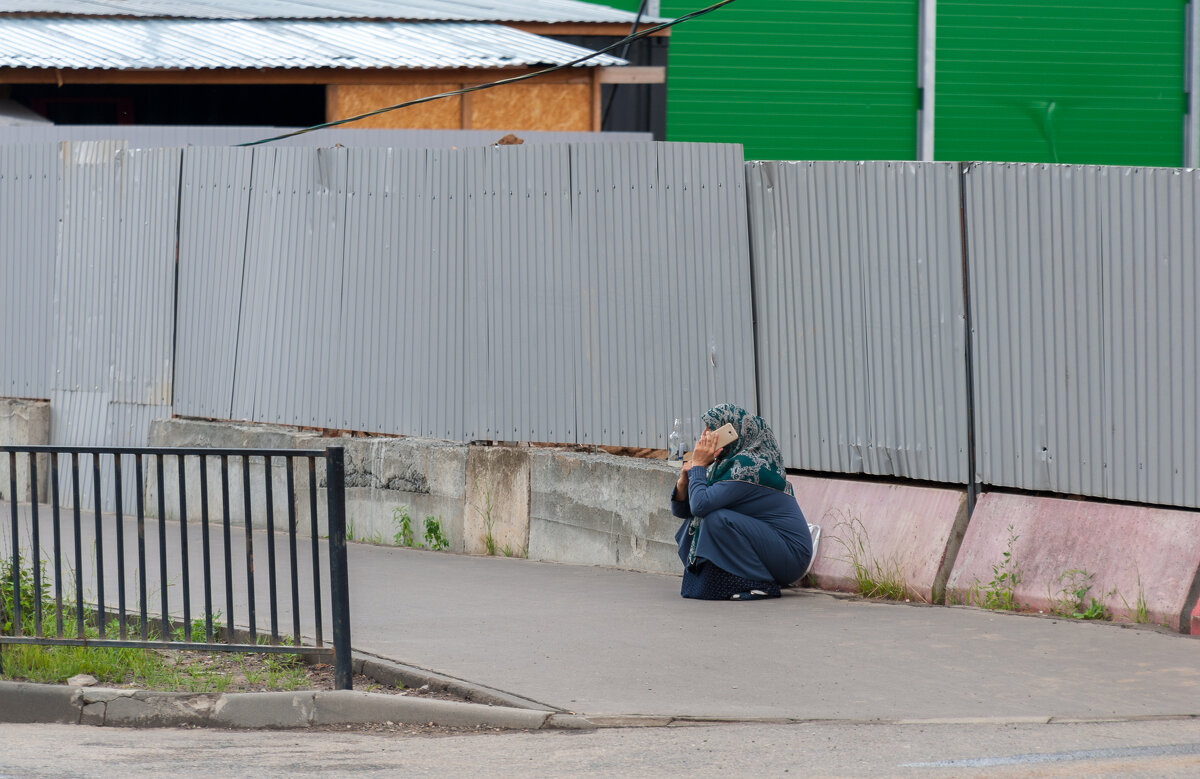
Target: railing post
(339, 585)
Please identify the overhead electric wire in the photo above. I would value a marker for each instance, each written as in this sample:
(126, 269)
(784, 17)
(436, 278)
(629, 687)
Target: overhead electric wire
(523, 77)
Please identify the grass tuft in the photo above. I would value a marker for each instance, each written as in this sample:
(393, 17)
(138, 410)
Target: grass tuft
(874, 578)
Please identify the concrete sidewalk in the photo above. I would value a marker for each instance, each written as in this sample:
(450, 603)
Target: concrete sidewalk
(611, 643)
(616, 644)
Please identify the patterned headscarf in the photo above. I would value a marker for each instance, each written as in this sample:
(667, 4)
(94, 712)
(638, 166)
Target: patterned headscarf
(754, 457)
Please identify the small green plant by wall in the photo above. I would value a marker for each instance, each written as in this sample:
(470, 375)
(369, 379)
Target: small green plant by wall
(1073, 597)
(1139, 613)
(484, 512)
(1000, 593)
(433, 533)
(435, 538)
(403, 523)
(874, 578)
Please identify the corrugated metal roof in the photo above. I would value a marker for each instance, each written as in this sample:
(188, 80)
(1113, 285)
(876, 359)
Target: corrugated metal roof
(550, 11)
(111, 44)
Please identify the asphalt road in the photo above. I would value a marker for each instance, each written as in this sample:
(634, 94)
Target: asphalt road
(1168, 748)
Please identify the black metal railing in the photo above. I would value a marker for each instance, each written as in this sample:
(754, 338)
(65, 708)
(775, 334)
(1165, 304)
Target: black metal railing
(194, 621)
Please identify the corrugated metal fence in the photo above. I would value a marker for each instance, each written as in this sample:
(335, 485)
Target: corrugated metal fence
(860, 311)
(87, 248)
(114, 300)
(1084, 287)
(591, 293)
(546, 293)
(29, 187)
(1084, 333)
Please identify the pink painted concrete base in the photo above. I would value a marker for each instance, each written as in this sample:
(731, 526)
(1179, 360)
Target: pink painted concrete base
(1117, 545)
(914, 531)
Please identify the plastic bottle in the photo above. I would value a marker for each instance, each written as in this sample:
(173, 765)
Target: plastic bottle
(675, 443)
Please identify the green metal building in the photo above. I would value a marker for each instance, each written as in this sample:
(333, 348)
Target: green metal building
(1073, 81)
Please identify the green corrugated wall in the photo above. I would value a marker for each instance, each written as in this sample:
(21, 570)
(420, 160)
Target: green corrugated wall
(797, 79)
(1082, 81)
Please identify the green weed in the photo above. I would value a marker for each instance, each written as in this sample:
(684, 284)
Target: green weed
(198, 629)
(435, 538)
(484, 512)
(1072, 599)
(874, 578)
(998, 594)
(403, 523)
(1139, 613)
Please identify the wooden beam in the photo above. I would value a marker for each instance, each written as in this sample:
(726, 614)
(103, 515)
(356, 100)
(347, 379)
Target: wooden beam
(467, 110)
(633, 74)
(330, 101)
(597, 110)
(323, 76)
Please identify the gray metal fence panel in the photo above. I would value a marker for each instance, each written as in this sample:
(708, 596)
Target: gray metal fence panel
(85, 267)
(29, 181)
(143, 287)
(860, 315)
(522, 388)
(447, 293)
(402, 314)
(115, 283)
(94, 419)
(114, 300)
(1083, 290)
(665, 297)
(286, 367)
(214, 210)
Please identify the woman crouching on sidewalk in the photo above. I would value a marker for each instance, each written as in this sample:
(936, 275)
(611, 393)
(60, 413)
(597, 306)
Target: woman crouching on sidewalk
(744, 534)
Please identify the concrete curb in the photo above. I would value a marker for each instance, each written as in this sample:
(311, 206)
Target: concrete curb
(49, 703)
(398, 674)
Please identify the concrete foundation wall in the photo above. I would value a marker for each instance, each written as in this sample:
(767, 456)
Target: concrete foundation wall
(194, 433)
(497, 501)
(547, 504)
(602, 509)
(1122, 554)
(904, 533)
(24, 422)
(423, 476)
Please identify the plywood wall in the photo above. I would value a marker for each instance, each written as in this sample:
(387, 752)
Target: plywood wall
(525, 106)
(533, 106)
(345, 100)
